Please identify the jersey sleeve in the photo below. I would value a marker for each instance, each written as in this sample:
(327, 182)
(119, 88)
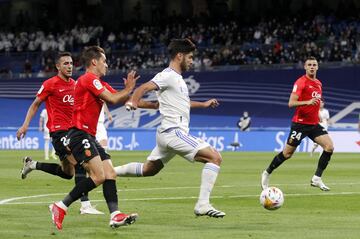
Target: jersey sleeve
(108, 87)
(298, 87)
(95, 86)
(159, 81)
(44, 91)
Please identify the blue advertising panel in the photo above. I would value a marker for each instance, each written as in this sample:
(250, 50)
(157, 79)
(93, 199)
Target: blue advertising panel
(144, 139)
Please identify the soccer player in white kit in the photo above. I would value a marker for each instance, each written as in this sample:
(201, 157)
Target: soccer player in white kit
(324, 117)
(172, 137)
(42, 127)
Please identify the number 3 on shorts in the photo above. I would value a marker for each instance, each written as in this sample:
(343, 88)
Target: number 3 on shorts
(295, 135)
(86, 143)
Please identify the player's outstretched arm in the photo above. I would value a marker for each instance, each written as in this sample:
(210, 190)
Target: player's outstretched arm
(294, 101)
(213, 103)
(135, 100)
(123, 95)
(29, 115)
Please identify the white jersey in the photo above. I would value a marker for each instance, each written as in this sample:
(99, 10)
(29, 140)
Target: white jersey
(324, 116)
(174, 101)
(102, 115)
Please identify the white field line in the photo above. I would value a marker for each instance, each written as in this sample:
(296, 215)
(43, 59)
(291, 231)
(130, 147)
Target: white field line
(194, 197)
(11, 200)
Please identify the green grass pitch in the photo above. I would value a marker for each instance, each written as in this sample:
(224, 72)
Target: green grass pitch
(165, 202)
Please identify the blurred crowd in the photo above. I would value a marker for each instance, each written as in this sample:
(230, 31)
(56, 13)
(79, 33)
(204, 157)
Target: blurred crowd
(221, 43)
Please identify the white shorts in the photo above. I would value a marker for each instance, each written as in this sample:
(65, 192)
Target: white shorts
(325, 126)
(176, 142)
(46, 133)
(101, 133)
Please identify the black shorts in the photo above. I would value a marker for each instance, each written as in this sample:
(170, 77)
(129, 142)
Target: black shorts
(300, 131)
(85, 146)
(58, 140)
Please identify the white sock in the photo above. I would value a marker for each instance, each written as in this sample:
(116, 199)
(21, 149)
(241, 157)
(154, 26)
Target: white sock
(46, 148)
(85, 204)
(316, 178)
(130, 170)
(208, 178)
(33, 165)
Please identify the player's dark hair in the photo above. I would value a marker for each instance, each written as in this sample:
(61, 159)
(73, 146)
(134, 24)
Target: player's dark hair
(61, 54)
(89, 53)
(180, 46)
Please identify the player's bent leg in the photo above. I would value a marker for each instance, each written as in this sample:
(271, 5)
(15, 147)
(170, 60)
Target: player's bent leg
(94, 168)
(326, 143)
(275, 163)
(50, 168)
(151, 168)
(212, 160)
(97, 176)
(147, 169)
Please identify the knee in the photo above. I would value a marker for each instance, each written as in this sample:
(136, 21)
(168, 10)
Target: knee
(287, 155)
(329, 148)
(98, 178)
(216, 158)
(111, 174)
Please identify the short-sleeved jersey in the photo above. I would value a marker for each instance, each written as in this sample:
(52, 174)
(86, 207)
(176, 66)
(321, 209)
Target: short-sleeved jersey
(307, 89)
(174, 101)
(58, 95)
(87, 104)
(324, 117)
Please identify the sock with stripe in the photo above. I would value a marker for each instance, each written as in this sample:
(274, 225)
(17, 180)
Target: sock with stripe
(130, 170)
(208, 178)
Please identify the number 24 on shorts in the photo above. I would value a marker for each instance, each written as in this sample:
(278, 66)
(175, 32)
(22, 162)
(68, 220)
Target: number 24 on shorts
(295, 135)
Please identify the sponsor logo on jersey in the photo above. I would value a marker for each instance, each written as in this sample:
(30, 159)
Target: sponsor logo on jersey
(97, 84)
(68, 98)
(316, 95)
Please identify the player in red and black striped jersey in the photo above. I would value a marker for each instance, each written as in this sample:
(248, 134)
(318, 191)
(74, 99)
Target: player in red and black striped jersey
(306, 97)
(58, 95)
(90, 93)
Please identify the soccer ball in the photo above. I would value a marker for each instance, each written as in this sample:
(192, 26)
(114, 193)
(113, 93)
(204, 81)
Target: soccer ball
(272, 198)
